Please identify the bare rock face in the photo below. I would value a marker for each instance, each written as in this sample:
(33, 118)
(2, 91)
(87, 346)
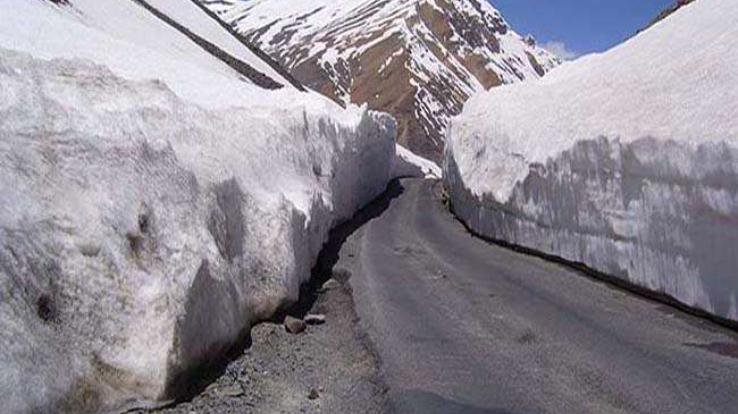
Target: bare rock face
(417, 60)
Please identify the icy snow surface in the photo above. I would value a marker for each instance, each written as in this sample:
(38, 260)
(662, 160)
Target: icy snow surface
(155, 202)
(626, 161)
(407, 164)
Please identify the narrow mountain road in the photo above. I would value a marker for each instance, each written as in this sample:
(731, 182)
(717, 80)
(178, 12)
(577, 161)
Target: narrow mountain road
(464, 326)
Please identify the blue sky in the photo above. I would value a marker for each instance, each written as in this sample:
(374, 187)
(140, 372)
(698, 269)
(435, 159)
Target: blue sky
(576, 27)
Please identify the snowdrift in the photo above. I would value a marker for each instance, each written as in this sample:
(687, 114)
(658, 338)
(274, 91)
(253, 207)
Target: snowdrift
(158, 197)
(407, 164)
(625, 161)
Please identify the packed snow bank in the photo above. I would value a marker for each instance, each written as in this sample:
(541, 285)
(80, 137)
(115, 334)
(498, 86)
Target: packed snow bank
(626, 161)
(407, 164)
(155, 202)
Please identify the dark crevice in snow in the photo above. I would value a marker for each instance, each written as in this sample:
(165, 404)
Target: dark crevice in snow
(328, 256)
(255, 50)
(236, 64)
(45, 308)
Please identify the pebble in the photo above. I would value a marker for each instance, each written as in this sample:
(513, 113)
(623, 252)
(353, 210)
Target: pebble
(294, 325)
(313, 394)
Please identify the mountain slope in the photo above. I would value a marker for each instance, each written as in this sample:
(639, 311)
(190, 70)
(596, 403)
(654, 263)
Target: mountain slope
(418, 60)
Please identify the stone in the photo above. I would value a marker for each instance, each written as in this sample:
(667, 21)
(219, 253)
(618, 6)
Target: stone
(228, 391)
(330, 284)
(313, 394)
(294, 325)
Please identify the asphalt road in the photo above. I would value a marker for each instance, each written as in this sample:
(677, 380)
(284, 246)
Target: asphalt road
(464, 326)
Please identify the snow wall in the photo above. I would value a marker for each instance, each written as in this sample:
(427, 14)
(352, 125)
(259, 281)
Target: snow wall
(141, 236)
(626, 162)
(147, 220)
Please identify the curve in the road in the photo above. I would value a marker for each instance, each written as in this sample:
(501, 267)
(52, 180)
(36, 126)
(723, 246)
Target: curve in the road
(462, 325)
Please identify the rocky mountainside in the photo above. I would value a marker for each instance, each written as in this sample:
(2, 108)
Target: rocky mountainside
(419, 60)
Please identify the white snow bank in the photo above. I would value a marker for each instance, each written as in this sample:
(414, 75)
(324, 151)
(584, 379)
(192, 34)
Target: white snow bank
(155, 203)
(676, 80)
(625, 161)
(408, 164)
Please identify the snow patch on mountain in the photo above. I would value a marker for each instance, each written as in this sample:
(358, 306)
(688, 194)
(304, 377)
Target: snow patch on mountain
(407, 164)
(608, 162)
(219, 7)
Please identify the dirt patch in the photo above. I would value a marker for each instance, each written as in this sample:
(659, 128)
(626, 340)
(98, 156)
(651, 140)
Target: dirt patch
(329, 368)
